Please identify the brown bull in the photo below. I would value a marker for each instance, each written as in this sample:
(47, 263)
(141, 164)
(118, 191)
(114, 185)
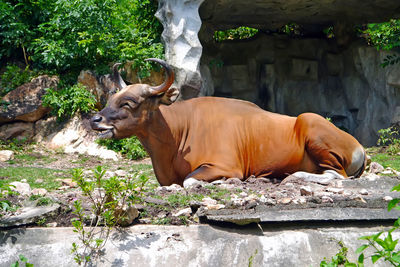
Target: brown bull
(208, 138)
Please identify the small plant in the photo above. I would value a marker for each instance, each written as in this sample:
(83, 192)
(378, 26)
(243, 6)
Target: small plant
(340, 259)
(22, 259)
(41, 221)
(107, 197)
(390, 137)
(252, 258)
(69, 100)
(130, 147)
(5, 205)
(44, 201)
(382, 244)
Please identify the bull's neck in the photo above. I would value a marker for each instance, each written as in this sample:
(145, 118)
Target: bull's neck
(161, 140)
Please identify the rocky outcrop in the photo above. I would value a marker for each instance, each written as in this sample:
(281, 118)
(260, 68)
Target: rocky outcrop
(17, 130)
(292, 76)
(313, 15)
(183, 49)
(25, 102)
(339, 78)
(102, 87)
(74, 136)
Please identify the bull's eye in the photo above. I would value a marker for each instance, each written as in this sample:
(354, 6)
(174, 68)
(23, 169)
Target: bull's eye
(125, 105)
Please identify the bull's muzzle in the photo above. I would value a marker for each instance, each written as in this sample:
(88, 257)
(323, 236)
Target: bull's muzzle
(97, 124)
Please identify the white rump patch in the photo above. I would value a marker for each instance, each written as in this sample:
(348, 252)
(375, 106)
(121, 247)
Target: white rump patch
(357, 161)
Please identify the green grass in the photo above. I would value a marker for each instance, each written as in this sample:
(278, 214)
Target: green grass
(392, 161)
(180, 200)
(81, 160)
(11, 174)
(30, 159)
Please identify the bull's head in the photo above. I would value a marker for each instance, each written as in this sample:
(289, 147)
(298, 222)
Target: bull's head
(128, 109)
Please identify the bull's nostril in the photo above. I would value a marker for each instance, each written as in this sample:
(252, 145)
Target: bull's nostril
(97, 118)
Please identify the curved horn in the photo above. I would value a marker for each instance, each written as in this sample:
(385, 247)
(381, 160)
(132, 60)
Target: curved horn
(116, 77)
(169, 77)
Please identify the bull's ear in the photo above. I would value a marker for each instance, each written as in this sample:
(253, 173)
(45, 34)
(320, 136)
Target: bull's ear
(169, 96)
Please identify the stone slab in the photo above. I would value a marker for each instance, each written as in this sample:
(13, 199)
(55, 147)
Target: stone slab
(263, 215)
(29, 215)
(342, 208)
(201, 245)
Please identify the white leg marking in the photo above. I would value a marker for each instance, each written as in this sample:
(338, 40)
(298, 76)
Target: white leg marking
(190, 182)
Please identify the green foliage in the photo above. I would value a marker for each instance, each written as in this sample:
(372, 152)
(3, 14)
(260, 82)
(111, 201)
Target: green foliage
(340, 259)
(16, 145)
(235, 34)
(69, 100)
(13, 77)
(10, 174)
(385, 36)
(390, 137)
(130, 147)
(252, 258)
(22, 259)
(18, 26)
(5, 205)
(67, 36)
(107, 198)
(382, 244)
(292, 29)
(90, 34)
(44, 201)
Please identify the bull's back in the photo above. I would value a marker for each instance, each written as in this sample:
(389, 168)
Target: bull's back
(240, 136)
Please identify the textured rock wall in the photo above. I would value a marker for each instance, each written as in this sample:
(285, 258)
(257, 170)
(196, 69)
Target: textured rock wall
(292, 76)
(183, 50)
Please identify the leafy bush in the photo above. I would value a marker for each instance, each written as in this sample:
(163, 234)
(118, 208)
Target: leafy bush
(13, 77)
(67, 36)
(130, 147)
(90, 34)
(385, 36)
(69, 100)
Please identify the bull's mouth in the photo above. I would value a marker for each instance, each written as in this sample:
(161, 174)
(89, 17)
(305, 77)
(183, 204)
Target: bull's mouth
(105, 132)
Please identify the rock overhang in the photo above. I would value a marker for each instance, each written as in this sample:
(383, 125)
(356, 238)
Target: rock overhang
(273, 14)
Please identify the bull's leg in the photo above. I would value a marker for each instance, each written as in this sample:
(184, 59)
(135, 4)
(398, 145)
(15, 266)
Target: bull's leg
(208, 173)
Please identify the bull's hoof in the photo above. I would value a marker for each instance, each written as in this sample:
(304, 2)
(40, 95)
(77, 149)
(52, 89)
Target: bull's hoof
(192, 182)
